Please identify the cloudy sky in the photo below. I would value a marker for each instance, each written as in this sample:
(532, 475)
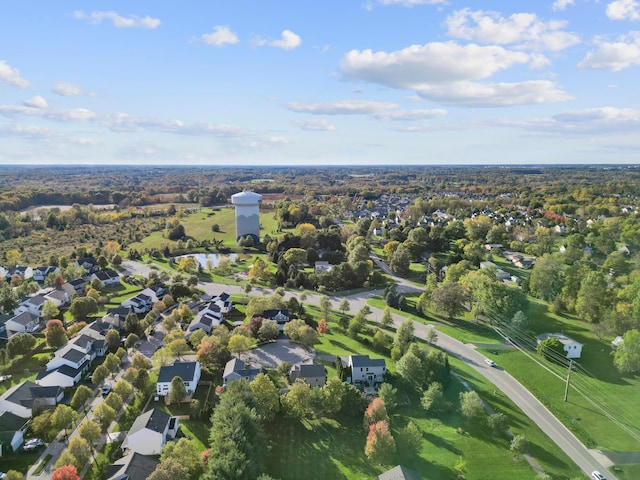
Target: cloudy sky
(295, 82)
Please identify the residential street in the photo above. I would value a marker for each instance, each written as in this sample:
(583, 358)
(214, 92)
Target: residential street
(508, 385)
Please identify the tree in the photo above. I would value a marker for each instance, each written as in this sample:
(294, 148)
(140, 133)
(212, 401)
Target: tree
(131, 340)
(380, 341)
(432, 336)
(307, 336)
(178, 347)
(375, 412)
(111, 362)
(546, 279)
(518, 444)
(498, 422)
(380, 446)
(344, 306)
(55, 334)
(296, 402)
(388, 394)
(177, 390)
(66, 472)
(49, 310)
(104, 414)
(239, 344)
(448, 298)
(8, 299)
(112, 337)
(132, 324)
(141, 380)
(269, 330)
(471, 405)
(404, 335)
(61, 417)
(80, 397)
(13, 475)
(322, 326)
(140, 362)
(593, 297)
(386, 320)
(212, 354)
(551, 349)
(519, 322)
(325, 306)
(433, 400)
(114, 401)
(626, 357)
(267, 397)
(295, 256)
(333, 391)
(90, 431)
(81, 450)
(20, 344)
(409, 440)
(409, 367)
(100, 374)
(184, 452)
(401, 260)
(170, 469)
(82, 307)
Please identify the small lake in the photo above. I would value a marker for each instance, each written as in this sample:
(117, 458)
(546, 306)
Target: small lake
(202, 258)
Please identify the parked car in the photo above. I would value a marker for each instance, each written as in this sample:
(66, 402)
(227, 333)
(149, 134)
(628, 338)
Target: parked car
(105, 390)
(489, 362)
(32, 444)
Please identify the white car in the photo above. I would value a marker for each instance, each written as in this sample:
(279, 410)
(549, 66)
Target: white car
(489, 362)
(596, 475)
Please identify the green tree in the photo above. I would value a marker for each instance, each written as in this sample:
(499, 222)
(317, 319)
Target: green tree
(593, 297)
(90, 431)
(177, 390)
(401, 260)
(386, 320)
(295, 256)
(410, 369)
(104, 415)
(546, 279)
(141, 380)
(13, 475)
(8, 299)
(551, 349)
(409, 441)
(344, 306)
(131, 340)
(498, 422)
(471, 405)
(239, 344)
(80, 397)
(112, 337)
(518, 444)
(433, 399)
(114, 401)
(100, 374)
(519, 322)
(55, 334)
(389, 395)
(380, 446)
(296, 402)
(62, 416)
(268, 330)
(82, 307)
(81, 450)
(267, 397)
(325, 306)
(185, 452)
(49, 310)
(448, 298)
(404, 335)
(626, 357)
(170, 469)
(20, 344)
(111, 362)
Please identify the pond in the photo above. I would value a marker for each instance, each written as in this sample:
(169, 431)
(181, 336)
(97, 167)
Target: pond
(202, 258)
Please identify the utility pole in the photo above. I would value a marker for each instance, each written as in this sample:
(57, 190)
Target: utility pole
(566, 388)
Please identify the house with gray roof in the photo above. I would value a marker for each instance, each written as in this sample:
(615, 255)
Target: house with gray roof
(33, 305)
(150, 431)
(189, 372)
(12, 428)
(23, 322)
(235, 369)
(399, 472)
(26, 397)
(312, 373)
(132, 466)
(106, 277)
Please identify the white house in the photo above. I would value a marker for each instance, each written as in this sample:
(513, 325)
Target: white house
(23, 398)
(59, 297)
(224, 302)
(33, 305)
(210, 316)
(12, 428)
(40, 274)
(106, 277)
(143, 301)
(70, 356)
(63, 376)
(572, 348)
(24, 322)
(280, 316)
(90, 264)
(150, 432)
(367, 372)
(25, 272)
(189, 372)
(235, 369)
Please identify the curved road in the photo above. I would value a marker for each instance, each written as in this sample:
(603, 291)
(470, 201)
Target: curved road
(513, 389)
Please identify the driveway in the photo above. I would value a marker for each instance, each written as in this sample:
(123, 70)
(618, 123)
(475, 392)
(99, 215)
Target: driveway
(273, 354)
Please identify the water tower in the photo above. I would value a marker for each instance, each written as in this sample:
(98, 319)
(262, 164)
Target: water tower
(247, 214)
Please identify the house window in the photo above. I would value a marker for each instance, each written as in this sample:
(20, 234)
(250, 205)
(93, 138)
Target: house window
(360, 368)
(367, 369)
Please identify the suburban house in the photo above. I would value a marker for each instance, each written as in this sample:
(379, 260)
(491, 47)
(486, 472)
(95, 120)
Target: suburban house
(499, 273)
(132, 466)
(106, 277)
(69, 356)
(144, 300)
(572, 348)
(63, 376)
(235, 369)
(321, 266)
(79, 285)
(208, 317)
(12, 428)
(89, 264)
(33, 305)
(150, 432)
(280, 316)
(27, 396)
(24, 322)
(59, 297)
(40, 274)
(224, 302)
(367, 372)
(25, 272)
(399, 473)
(312, 373)
(117, 316)
(189, 372)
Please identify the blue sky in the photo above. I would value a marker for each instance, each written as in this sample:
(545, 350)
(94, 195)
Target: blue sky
(294, 82)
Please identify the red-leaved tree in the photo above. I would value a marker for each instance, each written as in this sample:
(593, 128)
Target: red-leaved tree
(66, 472)
(375, 412)
(322, 326)
(380, 445)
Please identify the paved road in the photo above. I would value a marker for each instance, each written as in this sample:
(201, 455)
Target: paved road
(528, 403)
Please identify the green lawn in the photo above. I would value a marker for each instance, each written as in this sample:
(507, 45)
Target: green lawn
(471, 333)
(20, 461)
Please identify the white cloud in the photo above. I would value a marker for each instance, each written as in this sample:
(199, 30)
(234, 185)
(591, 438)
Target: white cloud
(29, 131)
(562, 4)
(315, 125)
(221, 35)
(411, 115)
(449, 73)
(36, 102)
(11, 75)
(524, 30)
(624, 10)
(288, 41)
(132, 21)
(614, 56)
(345, 107)
(67, 89)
